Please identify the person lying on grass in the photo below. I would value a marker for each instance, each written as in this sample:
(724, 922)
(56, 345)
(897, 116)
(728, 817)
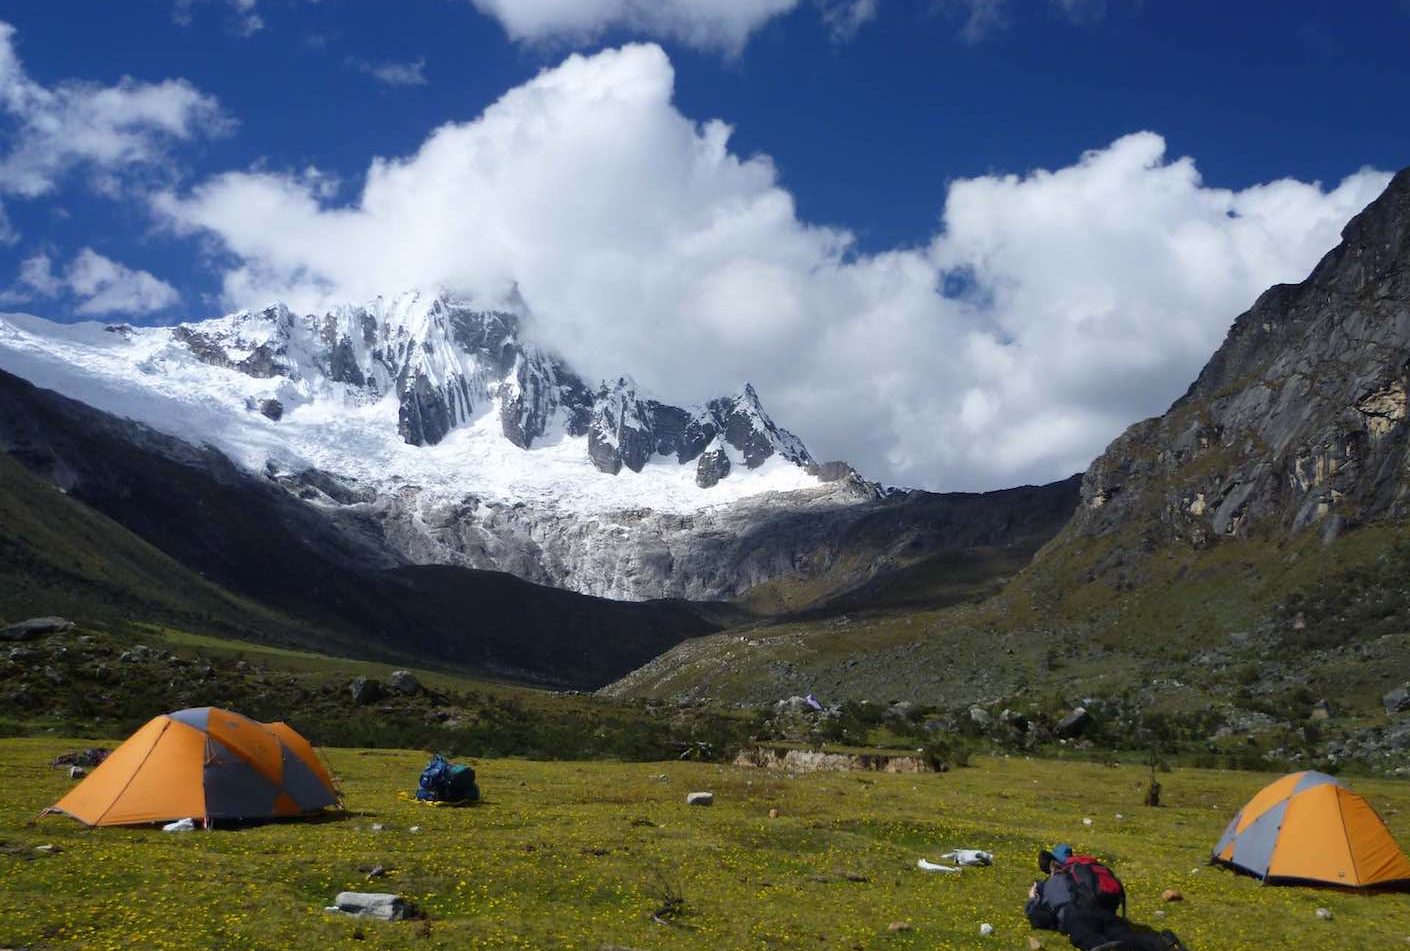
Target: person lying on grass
(1080, 898)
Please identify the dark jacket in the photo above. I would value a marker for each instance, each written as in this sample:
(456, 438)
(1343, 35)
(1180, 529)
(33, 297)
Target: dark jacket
(1052, 903)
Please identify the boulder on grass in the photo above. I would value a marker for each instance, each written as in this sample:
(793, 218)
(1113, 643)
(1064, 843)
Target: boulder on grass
(1074, 723)
(1397, 700)
(35, 627)
(700, 799)
(365, 691)
(404, 682)
(381, 905)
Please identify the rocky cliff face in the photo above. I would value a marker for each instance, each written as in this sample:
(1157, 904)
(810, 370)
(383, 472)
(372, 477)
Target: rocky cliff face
(1297, 422)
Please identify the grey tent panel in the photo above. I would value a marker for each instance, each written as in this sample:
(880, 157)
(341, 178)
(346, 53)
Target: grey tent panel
(1312, 779)
(303, 785)
(234, 788)
(1254, 849)
(1229, 834)
(197, 717)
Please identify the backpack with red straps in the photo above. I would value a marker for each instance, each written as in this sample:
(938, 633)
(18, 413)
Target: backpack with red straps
(1094, 883)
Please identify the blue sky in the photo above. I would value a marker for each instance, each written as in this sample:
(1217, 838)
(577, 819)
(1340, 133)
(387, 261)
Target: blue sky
(865, 130)
(866, 127)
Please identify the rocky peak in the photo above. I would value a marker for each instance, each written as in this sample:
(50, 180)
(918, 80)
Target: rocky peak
(448, 362)
(1298, 420)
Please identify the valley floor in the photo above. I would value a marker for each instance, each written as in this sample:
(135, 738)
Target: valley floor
(579, 854)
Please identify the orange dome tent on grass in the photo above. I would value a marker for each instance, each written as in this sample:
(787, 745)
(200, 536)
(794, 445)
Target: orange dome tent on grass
(1309, 828)
(206, 764)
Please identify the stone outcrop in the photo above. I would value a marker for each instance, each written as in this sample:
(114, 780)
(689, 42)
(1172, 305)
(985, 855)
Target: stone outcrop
(712, 467)
(1299, 419)
(815, 761)
(35, 628)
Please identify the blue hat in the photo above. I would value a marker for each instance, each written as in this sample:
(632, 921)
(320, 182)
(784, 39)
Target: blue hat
(1062, 852)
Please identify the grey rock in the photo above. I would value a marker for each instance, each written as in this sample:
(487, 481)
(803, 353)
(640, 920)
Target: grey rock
(35, 628)
(712, 467)
(980, 716)
(365, 690)
(700, 799)
(272, 409)
(1397, 700)
(405, 682)
(1074, 723)
(381, 905)
(834, 471)
(1321, 710)
(425, 415)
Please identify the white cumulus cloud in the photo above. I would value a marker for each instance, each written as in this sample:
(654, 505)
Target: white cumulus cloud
(103, 130)
(1048, 311)
(711, 24)
(97, 285)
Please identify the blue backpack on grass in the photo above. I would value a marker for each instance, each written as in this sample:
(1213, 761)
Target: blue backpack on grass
(444, 781)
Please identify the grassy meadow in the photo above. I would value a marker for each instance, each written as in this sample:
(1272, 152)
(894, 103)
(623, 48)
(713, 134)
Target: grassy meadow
(580, 854)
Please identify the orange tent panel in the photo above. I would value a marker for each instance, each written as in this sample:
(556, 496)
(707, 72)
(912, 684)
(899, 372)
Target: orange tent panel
(88, 800)
(1313, 844)
(1377, 858)
(167, 784)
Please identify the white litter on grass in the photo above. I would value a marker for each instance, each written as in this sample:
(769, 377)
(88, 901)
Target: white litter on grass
(925, 866)
(1086, 821)
(986, 929)
(969, 857)
(180, 825)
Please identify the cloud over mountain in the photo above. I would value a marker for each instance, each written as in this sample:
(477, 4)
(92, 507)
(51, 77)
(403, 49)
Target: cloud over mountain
(97, 285)
(1048, 311)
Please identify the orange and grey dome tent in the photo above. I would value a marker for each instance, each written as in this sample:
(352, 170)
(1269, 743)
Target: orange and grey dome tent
(203, 763)
(1307, 827)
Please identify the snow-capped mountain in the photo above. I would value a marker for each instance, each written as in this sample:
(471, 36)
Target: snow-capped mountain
(414, 389)
(458, 442)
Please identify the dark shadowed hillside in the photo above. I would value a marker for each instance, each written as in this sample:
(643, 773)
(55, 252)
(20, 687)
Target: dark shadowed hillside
(318, 582)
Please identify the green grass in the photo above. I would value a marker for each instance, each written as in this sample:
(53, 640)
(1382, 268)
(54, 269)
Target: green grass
(563, 855)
